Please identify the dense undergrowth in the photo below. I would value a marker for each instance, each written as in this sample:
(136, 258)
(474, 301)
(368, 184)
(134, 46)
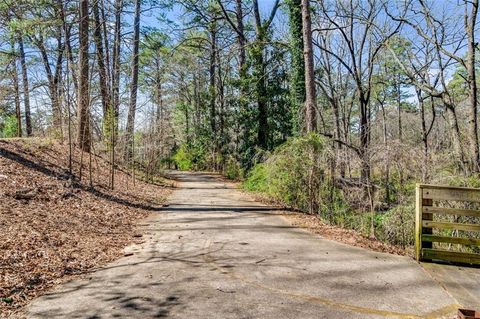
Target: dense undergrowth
(284, 177)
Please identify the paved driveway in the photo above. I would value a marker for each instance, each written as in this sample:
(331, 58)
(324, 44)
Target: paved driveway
(215, 253)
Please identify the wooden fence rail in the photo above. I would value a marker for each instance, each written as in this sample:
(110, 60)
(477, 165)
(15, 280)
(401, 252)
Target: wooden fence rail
(425, 237)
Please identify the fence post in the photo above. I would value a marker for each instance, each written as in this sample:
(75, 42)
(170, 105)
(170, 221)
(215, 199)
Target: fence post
(418, 221)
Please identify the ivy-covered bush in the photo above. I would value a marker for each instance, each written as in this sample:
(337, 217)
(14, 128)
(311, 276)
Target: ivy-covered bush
(9, 127)
(183, 159)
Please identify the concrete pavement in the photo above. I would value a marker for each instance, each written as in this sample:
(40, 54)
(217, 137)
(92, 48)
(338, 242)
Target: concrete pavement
(216, 253)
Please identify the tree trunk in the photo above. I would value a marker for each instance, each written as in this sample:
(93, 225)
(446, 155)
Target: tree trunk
(26, 90)
(106, 45)
(338, 136)
(260, 77)
(298, 62)
(364, 142)
(472, 83)
(221, 102)
(116, 64)
(102, 69)
(424, 134)
(212, 71)
(134, 84)
(310, 90)
(68, 46)
(240, 39)
(83, 134)
(196, 104)
(456, 136)
(18, 113)
(386, 177)
(54, 79)
(399, 105)
(262, 117)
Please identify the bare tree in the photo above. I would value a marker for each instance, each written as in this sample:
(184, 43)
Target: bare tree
(360, 27)
(116, 63)
(132, 108)
(16, 90)
(83, 134)
(470, 24)
(26, 89)
(447, 42)
(102, 67)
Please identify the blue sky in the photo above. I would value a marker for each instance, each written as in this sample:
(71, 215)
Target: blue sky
(149, 19)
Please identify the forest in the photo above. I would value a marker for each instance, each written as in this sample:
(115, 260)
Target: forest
(336, 108)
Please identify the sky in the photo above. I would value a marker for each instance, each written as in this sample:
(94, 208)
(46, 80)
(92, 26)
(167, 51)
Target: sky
(150, 18)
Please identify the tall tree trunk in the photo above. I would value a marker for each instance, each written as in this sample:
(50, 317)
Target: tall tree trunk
(106, 44)
(387, 160)
(26, 90)
(196, 104)
(258, 52)
(57, 85)
(18, 113)
(472, 83)
(212, 88)
(134, 83)
(424, 133)
(83, 134)
(456, 136)
(298, 62)
(57, 78)
(159, 101)
(260, 77)
(242, 72)
(53, 79)
(262, 117)
(399, 104)
(338, 135)
(221, 117)
(102, 68)
(105, 90)
(364, 141)
(240, 39)
(67, 29)
(310, 97)
(116, 64)
(212, 71)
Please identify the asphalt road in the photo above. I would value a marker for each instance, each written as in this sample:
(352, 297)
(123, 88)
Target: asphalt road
(216, 253)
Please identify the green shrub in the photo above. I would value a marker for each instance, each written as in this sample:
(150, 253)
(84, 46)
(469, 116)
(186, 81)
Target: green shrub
(257, 179)
(461, 181)
(305, 163)
(295, 176)
(233, 169)
(9, 128)
(286, 176)
(183, 159)
(199, 156)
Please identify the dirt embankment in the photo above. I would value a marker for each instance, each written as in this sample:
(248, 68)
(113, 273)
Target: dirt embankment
(53, 227)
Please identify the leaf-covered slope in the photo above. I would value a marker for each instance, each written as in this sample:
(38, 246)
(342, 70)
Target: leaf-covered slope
(53, 226)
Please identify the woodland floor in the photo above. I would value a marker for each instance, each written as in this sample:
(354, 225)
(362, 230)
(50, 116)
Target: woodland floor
(215, 252)
(53, 228)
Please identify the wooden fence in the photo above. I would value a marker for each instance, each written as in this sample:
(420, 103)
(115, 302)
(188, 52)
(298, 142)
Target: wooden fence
(427, 200)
